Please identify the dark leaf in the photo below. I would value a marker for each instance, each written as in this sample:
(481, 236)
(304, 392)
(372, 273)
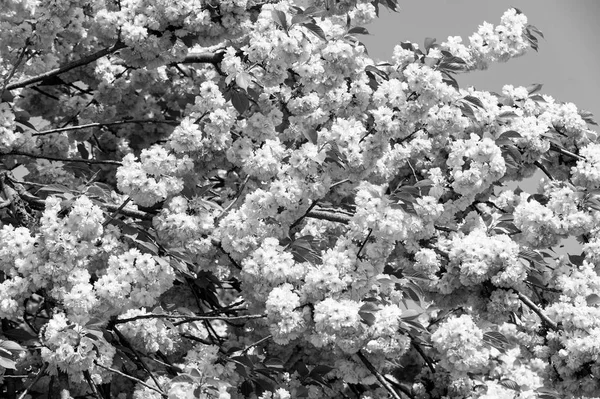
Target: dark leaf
(592, 300)
(577, 260)
(359, 30)
(240, 101)
(19, 334)
(511, 134)
(320, 370)
(316, 29)
(83, 151)
(510, 384)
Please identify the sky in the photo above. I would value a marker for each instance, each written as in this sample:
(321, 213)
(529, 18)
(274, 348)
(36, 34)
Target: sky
(567, 62)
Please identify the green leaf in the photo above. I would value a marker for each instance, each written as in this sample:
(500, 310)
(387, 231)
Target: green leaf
(280, 19)
(535, 30)
(467, 110)
(359, 30)
(11, 346)
(316, 29)
(429, 41)
(300, 18)
(243, 80)
(534, 88)
(588, 117)
(7, 363)
(495, 339)
(510, 134)
(475, 101)
(510, 384)
(311, 135)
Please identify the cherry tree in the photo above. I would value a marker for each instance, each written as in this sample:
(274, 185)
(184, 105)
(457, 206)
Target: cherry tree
(228, 199)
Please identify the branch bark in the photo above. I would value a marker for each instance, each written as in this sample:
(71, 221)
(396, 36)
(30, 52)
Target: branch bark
(67, 67)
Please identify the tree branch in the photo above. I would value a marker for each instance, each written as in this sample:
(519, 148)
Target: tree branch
(562, 151)
(187, 319)
(89, 125)
(129, 377)
(35, 380)
(537, 311)
(332, 217)
(88, 161)
(378, 375)
(67, 67)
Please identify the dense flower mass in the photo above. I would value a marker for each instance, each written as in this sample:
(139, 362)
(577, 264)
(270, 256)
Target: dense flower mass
(230, 199)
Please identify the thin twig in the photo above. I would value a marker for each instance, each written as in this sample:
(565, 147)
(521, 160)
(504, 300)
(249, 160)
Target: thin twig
(67, 67)
(130, 377)
(363, 244)
(378, 375)
(35, 380)
(310, 208)
(91, 384)
(421, 352)
(14, 69)
(50, 158)
(90, 125)
(139, 358)
(560, 150)
(237, 197)
(116, 212)
(260, 341)
(543, 169)
(537, 311)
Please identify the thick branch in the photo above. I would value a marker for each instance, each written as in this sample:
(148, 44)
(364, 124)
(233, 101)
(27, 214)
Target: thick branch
(204, 58)
(332, 217)
(67, 67)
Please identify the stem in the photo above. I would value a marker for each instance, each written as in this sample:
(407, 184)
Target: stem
(67, 67)
(377, 375)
